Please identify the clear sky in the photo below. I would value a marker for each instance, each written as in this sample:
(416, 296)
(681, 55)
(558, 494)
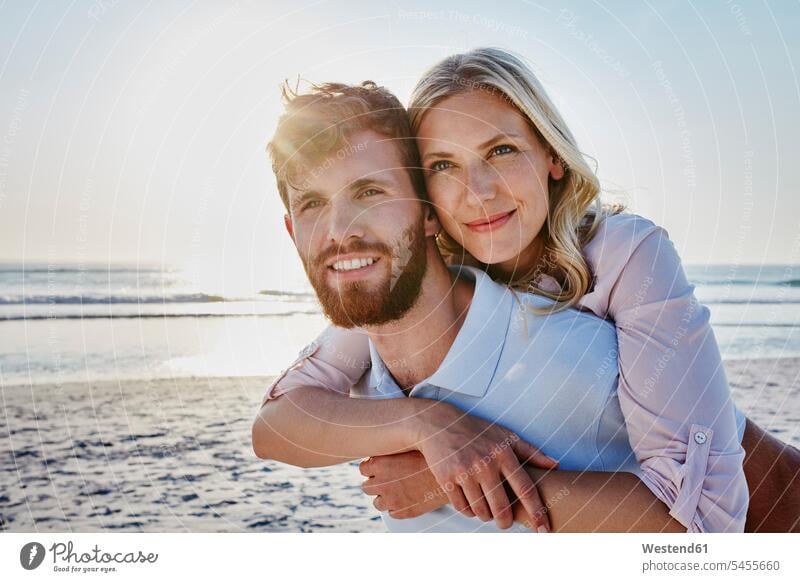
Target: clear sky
(135, 131)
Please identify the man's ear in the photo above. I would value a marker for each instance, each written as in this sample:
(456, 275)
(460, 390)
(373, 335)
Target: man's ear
(287, 222)
(432, 225)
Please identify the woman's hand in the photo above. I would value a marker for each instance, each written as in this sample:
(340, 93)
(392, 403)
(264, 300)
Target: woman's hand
(471, 458)
(402, 485)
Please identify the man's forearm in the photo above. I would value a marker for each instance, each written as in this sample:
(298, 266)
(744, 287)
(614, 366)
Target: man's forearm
(593, 501)
(313, 427)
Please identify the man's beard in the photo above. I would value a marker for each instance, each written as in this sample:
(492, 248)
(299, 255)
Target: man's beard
(353, 305)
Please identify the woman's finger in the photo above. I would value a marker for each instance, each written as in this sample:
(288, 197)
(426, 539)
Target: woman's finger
(527, 453)
(495, 495)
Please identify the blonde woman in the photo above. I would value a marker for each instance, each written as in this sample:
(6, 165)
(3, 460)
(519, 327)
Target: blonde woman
(515, 197)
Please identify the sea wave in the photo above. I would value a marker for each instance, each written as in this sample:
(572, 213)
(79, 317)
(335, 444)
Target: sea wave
(109, 299)
(713, 301)
(97, 299)
(758, 281)
(73, 316)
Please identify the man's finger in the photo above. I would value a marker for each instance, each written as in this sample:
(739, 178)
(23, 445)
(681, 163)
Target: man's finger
(366, 468)
(527, 453)
(379, 503)
(476, 501)
(527, 494)
(458, 500)
(496, 497)
(370, 486)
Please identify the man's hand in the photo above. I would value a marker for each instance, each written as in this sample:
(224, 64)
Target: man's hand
(472, 459)
(402, 485)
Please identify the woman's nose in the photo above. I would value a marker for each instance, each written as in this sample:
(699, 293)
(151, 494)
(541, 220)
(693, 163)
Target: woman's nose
(479, 184)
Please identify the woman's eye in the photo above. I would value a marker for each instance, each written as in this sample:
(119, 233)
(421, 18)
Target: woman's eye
(440, 165)
(500, 150)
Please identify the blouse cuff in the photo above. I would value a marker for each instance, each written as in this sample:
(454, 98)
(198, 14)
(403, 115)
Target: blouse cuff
(693, 471)
(274, 390)
(697, 504)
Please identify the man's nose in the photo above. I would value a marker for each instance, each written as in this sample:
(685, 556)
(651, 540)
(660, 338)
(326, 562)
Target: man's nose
(480, 184)
(345, 222)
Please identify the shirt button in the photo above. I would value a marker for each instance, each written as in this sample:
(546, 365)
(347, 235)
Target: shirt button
(700, 438)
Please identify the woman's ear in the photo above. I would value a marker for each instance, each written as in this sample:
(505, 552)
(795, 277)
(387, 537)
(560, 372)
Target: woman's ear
(556, 166)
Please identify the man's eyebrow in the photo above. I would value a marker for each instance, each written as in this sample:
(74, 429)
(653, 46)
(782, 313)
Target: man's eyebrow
(497, 138)
(362, 183)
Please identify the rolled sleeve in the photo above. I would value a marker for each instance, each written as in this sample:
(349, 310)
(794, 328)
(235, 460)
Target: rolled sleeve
(334, 361)
(674, 394)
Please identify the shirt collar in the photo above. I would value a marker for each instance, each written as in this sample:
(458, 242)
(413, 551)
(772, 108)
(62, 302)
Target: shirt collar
(471, 362)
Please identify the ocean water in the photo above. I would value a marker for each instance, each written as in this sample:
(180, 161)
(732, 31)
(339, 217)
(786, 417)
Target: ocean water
(59, 323)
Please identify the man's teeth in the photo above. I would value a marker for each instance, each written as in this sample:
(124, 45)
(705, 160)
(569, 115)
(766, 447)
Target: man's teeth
(352, 264)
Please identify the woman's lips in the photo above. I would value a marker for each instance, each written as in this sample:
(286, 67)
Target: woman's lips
(492, 223)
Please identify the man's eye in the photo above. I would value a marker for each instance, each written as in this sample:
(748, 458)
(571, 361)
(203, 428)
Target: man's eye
(440, 165)
(312, 204)
(371, 192)
(501, 149)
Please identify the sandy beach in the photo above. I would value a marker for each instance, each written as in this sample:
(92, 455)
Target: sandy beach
(175, 456)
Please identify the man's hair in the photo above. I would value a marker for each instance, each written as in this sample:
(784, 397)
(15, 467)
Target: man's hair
(316, 126)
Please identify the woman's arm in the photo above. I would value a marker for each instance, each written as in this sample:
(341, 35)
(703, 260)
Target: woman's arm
(672, 388)
(592, 501)
(314, 427)
(306, 420)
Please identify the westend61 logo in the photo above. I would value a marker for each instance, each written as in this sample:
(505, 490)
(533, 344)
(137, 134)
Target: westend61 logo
(65, 559)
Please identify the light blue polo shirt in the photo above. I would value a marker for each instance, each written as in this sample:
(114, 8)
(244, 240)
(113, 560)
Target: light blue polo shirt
(550, 379)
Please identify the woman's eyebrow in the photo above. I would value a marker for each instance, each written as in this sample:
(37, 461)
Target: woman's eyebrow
(499, 137)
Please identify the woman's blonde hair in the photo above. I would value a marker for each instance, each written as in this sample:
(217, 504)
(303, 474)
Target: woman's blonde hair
(575, 209)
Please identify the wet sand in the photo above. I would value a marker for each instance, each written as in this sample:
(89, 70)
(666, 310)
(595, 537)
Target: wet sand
(175, 456)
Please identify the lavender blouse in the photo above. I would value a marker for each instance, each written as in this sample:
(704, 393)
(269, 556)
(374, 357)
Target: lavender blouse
(671, 377)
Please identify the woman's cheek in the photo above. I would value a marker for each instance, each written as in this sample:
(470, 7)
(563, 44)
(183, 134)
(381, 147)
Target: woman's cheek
(446, 204)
